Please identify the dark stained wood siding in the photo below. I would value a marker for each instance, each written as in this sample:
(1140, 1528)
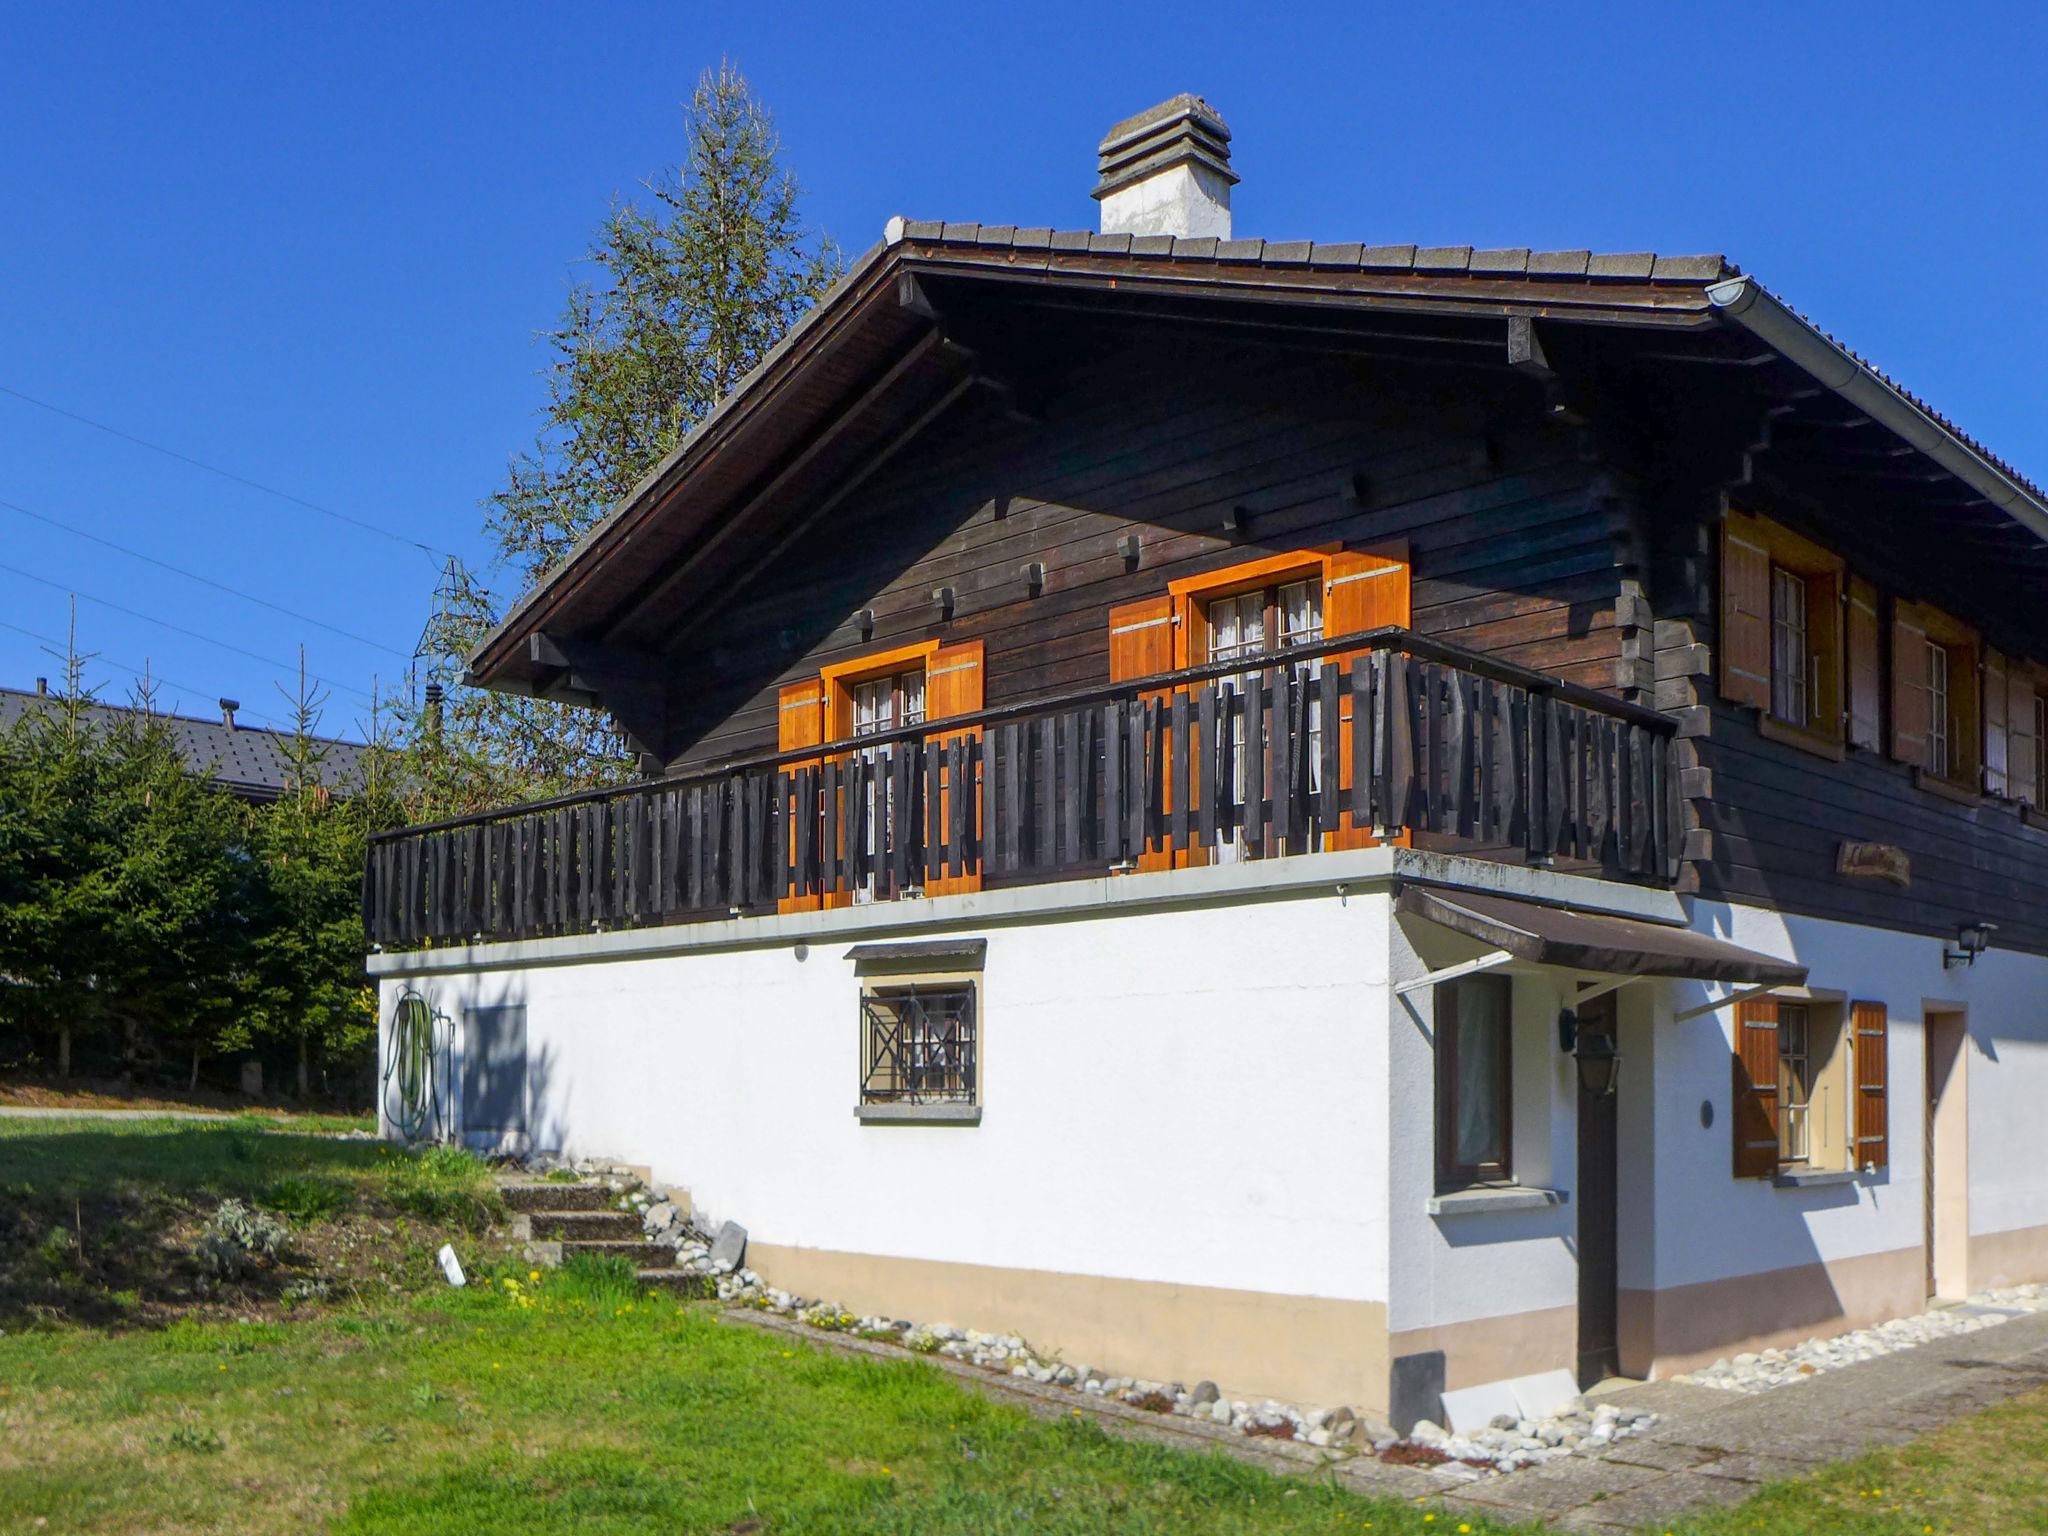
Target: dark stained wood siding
(1769, 819)
(1515, 538)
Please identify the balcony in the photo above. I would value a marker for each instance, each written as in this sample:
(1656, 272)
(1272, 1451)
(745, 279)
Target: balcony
(1383, 736)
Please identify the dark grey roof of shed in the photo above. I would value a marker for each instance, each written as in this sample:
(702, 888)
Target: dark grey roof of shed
(243, 760)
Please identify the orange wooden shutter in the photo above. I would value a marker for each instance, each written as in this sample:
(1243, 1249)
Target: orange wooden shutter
(1909, 686)
(1755, 1118)
(1361, 591)
(1745, 614)
(1142, 643)
(1873, 1070)
(799, 722)
(1865, 675)
(955, 683)
(1997, 725)
(2022, 745)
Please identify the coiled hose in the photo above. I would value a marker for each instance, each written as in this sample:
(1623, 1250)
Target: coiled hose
(411, 1094)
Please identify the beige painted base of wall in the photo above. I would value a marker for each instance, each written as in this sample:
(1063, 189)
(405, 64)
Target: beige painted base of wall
(1495, 1348)
(2018, 1257)
(1309, 1350)
(1687, 1326)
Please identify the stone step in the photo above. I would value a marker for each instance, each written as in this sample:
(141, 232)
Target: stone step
(634, 1250)
(539, 1195)
(584, 1226)
(681, 1282)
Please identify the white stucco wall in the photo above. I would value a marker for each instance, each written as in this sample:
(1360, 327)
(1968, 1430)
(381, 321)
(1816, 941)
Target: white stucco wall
(1193, 1095)
(2005, 997)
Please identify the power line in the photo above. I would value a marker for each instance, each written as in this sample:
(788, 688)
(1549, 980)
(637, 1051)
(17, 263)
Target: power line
(59, 649)
(225, 474)
(179, 629)
(208, 581)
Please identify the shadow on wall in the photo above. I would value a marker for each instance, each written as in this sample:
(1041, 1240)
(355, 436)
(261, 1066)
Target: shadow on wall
(491, 1089)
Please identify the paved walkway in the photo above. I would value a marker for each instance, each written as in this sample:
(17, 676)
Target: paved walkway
(1715, 1447)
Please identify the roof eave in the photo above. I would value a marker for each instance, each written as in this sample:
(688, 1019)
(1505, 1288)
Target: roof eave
(1745, 302)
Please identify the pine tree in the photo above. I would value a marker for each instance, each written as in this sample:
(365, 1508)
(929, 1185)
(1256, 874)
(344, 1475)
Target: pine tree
(694, 288)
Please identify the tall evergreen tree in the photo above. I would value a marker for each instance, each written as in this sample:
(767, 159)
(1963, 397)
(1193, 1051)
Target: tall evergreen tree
(694, 288)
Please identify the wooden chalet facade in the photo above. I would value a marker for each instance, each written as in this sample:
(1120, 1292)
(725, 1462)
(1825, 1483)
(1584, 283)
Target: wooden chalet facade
(1146, 578)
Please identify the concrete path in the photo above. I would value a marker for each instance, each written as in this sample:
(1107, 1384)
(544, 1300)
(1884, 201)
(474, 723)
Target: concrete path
(1715, 1447)
(37, 1112)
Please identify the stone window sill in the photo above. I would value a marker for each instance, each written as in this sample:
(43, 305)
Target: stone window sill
(1501, 1198)
(918, 1114)
(1812, 1178)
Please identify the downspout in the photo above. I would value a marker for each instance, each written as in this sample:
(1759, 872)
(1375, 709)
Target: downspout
(1745, 302)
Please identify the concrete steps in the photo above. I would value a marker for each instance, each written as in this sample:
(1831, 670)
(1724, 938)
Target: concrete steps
(583, 1226)
(558, 1221)
(681, 1282)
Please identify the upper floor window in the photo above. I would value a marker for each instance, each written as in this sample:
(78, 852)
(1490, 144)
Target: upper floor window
(1937, 698)
(1781, 631)
(1940, 715)
(1791, 648)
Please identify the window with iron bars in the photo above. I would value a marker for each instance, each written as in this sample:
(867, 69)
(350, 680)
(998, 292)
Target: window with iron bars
(918, 1045)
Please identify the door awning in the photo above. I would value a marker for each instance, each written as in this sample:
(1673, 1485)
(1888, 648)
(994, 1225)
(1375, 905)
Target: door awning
(1595, 941)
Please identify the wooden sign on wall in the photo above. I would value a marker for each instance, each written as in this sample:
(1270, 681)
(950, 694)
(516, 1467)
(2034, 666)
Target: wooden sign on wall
(1874, 861)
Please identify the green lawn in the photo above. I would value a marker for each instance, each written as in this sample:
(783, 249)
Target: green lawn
(571, 1402)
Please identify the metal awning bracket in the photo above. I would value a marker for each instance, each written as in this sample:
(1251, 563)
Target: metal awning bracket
(1601, 988)
(1486, 962)
(1733, 997)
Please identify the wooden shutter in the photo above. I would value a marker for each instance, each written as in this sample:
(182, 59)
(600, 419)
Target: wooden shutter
(1361, 591)
(955, 683)
(799, 722)
(1865, 665)
(1141, 639)
(2022, 745)
(1873, 1073)
(1745, 614)
(1997, 725)
(1909, 685)
(1754, 1122)
(1142, 643)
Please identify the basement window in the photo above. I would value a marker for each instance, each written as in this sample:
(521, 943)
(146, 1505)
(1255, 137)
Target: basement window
(920, 1034)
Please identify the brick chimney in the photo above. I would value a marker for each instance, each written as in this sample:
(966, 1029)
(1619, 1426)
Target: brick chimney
(1167, 172)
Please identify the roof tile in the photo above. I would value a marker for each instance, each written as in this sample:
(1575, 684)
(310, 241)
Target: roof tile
(1287, 253)
(1110, 245)
(1240, 250)
(1343, 255)
(923, 229)
(1202, 249)
(1514, 261)
(963, 233)
(1151, 245)
(1037, 239)
(998, 234)
(1443, 258)
(1622, 264)
(1399, 258)
(1701, 269)
(1558, 263)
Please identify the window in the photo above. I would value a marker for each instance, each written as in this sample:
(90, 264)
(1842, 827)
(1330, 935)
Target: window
(1940, 717)
(918, 1044)
(1790, 648)
(1795, 1082)
(1780, 642)
(1474, 1019)
(882, 704)
(1238, 626)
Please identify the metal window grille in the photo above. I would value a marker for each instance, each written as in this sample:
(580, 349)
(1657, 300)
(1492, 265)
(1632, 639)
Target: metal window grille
(1795, 1082)
(918, 1045)
(1789, 647)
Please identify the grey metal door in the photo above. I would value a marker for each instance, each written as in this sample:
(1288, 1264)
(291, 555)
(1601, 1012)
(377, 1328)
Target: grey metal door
(494, 1069)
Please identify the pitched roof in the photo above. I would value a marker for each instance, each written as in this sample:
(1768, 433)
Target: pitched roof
(241, 759)
(783, 433)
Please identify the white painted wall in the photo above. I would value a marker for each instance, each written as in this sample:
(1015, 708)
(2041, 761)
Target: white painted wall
(1713, 1225)
(1193, 1095)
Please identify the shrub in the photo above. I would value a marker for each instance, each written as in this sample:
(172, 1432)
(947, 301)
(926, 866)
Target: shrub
(305, 1197)
(237, 1239)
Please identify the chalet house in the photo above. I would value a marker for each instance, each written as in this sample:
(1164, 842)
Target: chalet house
(1355, 820)
(248, 762)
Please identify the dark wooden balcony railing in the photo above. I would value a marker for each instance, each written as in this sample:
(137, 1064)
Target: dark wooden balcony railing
(1385, 734)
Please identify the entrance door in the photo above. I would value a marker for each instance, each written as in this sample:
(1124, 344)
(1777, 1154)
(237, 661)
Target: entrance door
(1599, 1343)
(494, 1073)
(1947, 1150)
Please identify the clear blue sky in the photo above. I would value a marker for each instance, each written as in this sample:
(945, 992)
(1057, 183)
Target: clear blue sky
(313, 245)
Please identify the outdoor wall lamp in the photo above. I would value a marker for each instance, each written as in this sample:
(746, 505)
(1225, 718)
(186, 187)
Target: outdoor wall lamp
(1593, 1050)
(1972, 939)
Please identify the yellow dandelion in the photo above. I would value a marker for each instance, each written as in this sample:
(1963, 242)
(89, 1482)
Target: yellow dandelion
(1466, 1530)
(533, 1274)
(222, 1366)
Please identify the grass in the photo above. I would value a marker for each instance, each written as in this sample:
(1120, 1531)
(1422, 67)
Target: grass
(568, 1400)
(98, 1217)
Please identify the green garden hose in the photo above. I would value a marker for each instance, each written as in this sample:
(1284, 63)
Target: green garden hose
(415, 1105)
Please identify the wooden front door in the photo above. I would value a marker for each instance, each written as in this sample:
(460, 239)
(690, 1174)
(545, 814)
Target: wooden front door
(1599, 1341)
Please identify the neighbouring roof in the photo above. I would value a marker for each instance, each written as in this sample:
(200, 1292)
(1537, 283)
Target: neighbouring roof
(868, 365)
(241, 759)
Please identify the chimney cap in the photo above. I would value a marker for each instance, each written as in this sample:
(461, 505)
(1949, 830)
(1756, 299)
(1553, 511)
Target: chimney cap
(1180, 129)
(227, 711)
